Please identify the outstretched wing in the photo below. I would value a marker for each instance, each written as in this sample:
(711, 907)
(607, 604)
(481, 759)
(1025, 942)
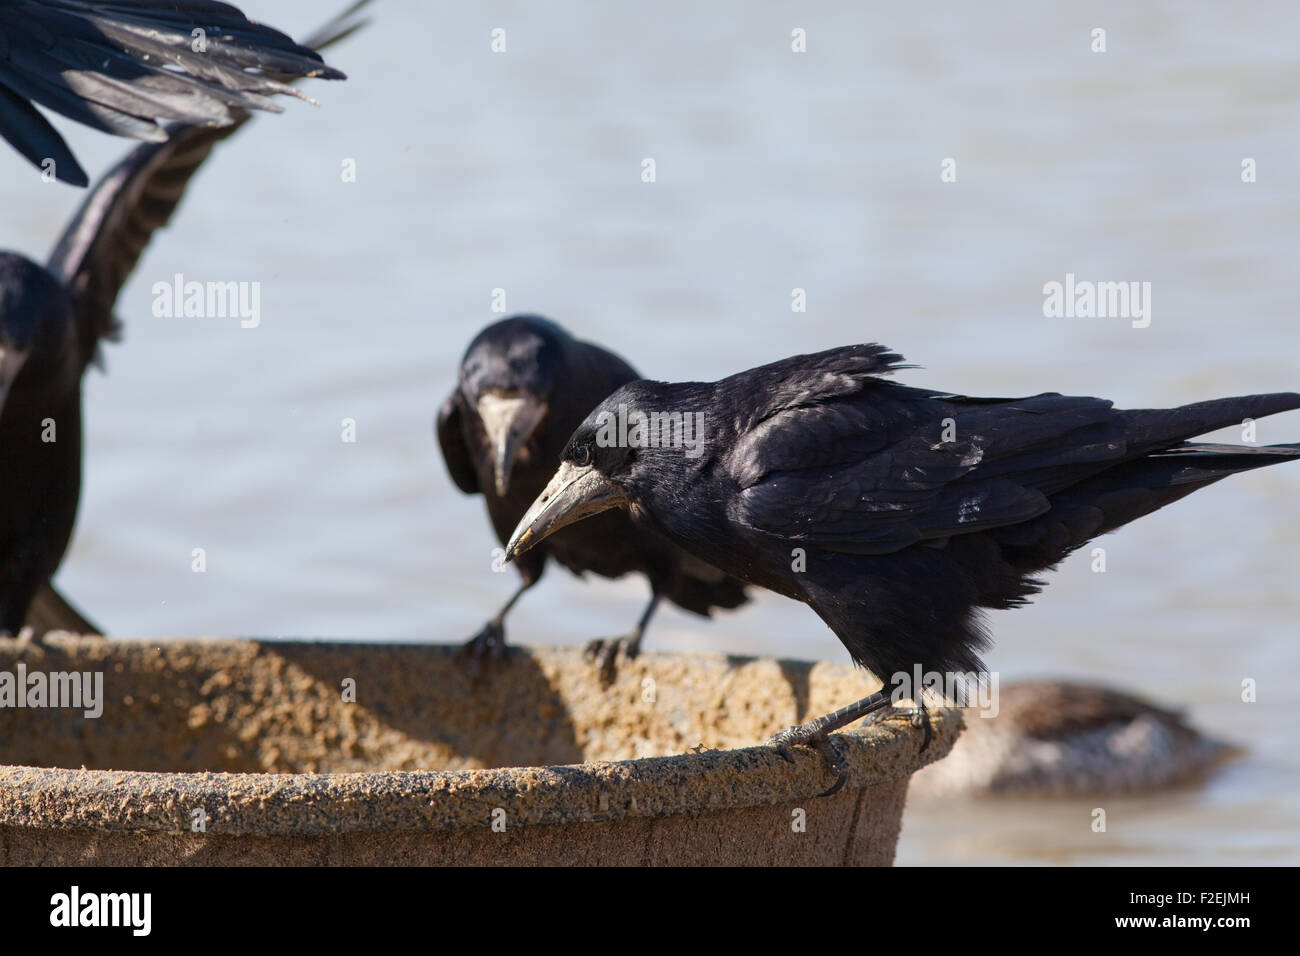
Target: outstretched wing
(120, 66)
(105, 239)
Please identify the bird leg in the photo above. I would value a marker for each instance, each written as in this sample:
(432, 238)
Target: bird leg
(605, 650)
(490, 642)
(816, 733)
(920, 717)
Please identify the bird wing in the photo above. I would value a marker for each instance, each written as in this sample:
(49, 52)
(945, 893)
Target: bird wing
(104, 240)
(452, 441)
(856, 464)
(119, 67)
(803, 381)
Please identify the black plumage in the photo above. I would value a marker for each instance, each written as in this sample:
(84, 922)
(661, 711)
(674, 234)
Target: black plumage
(911, 508)
(525, 385)
(121, 66)
(52, 321)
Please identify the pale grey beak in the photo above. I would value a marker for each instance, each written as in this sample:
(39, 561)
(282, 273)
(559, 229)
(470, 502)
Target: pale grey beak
(573, 494)
(11, 363)
(508, 423)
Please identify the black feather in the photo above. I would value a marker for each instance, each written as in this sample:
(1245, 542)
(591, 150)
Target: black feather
(897, 513)
(56, 317)
(531, 357)
(119, 67)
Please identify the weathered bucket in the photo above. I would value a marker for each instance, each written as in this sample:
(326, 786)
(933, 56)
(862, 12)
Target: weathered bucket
(312, 753)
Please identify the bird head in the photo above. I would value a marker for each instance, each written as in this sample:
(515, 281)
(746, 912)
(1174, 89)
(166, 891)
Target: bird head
(35, 316)
(615, 458)
(507, 377)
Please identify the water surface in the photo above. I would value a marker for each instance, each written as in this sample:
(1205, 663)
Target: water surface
(522, 171)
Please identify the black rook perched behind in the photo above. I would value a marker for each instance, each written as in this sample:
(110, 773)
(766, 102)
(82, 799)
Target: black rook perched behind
(525, 384)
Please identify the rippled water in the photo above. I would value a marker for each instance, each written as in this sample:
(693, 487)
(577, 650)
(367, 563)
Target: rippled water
(775, 170)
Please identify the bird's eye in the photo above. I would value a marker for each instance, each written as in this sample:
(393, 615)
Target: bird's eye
(582, 456)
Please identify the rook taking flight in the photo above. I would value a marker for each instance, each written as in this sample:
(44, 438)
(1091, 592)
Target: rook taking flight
(52, 320)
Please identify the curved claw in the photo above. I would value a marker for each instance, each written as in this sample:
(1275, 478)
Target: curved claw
(922, 719)
(826, 747)
(781, 742)
(822, 743)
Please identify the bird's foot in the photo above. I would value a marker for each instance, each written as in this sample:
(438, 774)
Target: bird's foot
(811, 735)
(605, 653)
(488, 644)
(815, 734)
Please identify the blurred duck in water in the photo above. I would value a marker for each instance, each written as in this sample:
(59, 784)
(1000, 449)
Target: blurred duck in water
(1060, 739)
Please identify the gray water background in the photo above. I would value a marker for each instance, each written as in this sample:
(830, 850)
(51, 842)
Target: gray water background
(775, 170)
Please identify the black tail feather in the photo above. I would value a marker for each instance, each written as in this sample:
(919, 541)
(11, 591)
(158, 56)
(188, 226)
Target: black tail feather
(1151, 429)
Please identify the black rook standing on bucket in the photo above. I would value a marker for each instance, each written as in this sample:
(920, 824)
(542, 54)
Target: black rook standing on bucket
(525, 385)
(894, 512)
